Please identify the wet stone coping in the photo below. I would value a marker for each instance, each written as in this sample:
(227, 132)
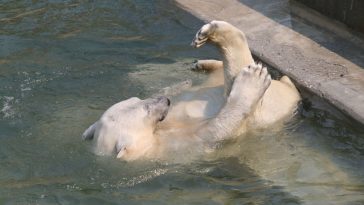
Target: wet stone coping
(309, 64)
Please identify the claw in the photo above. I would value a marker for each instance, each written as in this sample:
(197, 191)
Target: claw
(197, 43)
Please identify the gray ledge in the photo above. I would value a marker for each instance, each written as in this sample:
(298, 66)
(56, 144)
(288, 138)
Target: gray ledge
(324, 62)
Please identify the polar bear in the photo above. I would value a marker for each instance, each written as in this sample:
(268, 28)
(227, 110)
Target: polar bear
(278, 103)
(133, 129)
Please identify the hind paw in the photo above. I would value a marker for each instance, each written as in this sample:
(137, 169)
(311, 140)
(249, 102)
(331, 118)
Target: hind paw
(202, 35)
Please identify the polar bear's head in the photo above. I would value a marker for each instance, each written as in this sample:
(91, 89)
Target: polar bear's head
(128, 127)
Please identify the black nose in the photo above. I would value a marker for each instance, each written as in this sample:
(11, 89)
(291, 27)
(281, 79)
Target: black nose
(163, 100)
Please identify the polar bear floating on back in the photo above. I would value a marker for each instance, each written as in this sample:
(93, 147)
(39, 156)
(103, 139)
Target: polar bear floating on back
(224, 107)
(235, 99)
(129, 128)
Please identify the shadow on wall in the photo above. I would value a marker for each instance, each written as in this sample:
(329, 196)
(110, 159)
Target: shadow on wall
(323, 31)
(349, 12)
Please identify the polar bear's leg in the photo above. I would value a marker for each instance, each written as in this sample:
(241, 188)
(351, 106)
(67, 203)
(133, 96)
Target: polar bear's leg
(89, 133)
(207, 65)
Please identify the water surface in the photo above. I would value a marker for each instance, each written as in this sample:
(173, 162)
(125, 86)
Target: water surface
(62, 63)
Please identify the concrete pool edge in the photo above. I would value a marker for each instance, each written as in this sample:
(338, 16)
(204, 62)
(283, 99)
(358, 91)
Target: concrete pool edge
(310, 65)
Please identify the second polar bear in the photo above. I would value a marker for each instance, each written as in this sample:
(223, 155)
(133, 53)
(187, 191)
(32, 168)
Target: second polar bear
(132, 129)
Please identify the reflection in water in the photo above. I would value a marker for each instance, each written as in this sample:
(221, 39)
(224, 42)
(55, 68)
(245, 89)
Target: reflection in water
(62, 64)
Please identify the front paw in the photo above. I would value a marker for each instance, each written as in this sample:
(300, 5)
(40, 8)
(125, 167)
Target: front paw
(250, 84)
(207, 65)
(202, 35)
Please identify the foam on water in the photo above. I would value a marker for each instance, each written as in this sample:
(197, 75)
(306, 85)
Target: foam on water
(7, 109)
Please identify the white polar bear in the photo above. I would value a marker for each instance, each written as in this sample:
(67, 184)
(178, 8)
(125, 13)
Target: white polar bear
(278, 103)
(129, 128)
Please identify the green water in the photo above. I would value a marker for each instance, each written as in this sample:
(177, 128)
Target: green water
(62, 63)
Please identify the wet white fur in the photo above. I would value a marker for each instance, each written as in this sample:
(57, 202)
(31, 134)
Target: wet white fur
(132, 132)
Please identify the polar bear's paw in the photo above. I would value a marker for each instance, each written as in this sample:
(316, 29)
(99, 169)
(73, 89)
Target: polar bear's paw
(215, 31)
(250, 85)
(202, 35)
(207, 65)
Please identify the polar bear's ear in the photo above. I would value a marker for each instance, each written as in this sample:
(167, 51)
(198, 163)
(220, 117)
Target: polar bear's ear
(120, 150)
(121, 153)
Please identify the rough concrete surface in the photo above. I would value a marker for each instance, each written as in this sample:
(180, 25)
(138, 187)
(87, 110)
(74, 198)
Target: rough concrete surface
(328, 65)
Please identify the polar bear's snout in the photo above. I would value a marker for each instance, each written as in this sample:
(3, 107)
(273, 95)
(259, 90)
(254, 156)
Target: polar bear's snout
(157, 108)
